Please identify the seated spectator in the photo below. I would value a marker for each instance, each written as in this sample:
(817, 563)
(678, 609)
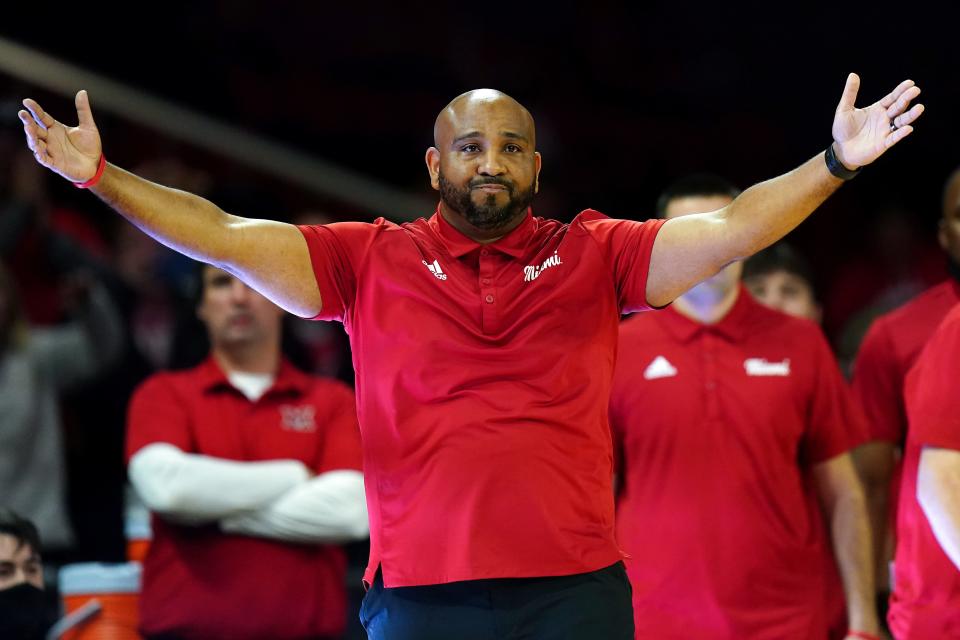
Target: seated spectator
(25, 612)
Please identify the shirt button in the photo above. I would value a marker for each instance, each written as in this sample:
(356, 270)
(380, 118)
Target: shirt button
(489, 299)
(710, 385)
(484, 280)
(483, 252)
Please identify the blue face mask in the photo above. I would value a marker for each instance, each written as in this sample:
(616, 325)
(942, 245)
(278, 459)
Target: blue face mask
(25, 613)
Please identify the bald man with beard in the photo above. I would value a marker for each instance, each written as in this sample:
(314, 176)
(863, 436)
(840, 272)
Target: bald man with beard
(484, 339)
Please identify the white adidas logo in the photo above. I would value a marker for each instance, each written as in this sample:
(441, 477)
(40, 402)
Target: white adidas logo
(659, 368)
(761, 367)
(435, 269)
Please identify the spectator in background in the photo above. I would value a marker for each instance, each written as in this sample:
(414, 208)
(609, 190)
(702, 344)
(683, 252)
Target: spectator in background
(780, 278)
(732, 425)
(926, 596)
(889, 350)
(252, 470)
(25, 611)
(37, 364)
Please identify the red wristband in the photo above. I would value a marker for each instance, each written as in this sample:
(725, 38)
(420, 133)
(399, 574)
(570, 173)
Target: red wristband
(862, 634)
(96, 177)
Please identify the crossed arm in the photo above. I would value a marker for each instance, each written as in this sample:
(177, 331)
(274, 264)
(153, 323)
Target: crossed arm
(277, 499)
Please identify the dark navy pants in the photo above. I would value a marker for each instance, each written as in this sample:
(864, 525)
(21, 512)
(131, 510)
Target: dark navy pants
(586, 606)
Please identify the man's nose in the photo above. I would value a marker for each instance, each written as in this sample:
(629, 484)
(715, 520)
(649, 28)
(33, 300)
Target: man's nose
(492, 164)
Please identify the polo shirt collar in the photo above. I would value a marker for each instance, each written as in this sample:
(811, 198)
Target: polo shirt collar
(734, 326)
(211, 377)
(458, 245)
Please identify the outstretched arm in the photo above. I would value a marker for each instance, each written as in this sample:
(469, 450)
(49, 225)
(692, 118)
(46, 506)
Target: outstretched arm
(271, 257)
(691, 248)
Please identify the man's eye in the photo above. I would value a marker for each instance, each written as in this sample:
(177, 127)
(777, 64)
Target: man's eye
(470, 148)
(512, 148)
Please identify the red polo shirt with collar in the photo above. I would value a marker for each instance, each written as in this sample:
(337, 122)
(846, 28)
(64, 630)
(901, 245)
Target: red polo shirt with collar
(717, 426)
(889, 349)
(926, 600)
(199, 582)
(482, 379)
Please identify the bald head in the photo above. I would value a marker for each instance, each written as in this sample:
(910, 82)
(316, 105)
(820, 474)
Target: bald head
(469, 108)
(484, 163)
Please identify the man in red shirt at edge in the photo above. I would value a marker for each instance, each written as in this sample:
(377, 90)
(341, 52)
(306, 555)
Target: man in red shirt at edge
(889, 350)
(926, 596)
(252, 471)
(484, 340)
(732, 427)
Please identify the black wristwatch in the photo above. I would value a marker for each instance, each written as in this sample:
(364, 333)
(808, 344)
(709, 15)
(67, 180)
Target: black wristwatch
(836, 167)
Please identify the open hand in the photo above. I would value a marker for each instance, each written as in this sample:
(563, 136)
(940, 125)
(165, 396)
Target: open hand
(863, 135)
(72, 152)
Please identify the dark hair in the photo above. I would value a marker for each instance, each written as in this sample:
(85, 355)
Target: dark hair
(695, 185)
(779, 257)
(20, 528)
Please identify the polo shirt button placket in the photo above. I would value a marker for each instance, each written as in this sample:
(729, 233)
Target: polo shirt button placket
(710, 374)
(488, 314)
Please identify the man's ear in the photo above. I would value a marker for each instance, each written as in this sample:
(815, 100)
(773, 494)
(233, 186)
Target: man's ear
(538, 159)
(433, 167)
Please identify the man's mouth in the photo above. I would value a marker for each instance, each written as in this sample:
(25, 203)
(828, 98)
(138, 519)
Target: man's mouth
(490, 188)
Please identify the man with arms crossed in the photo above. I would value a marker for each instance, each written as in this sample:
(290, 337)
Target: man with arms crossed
(483, 341)
(252, 471)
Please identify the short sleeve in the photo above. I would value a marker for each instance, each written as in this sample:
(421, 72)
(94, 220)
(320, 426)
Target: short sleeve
(833, 423)
(878, 386)
(156, 414)
(933, 401)
(627, 246)
(336, 254)
(341, 433)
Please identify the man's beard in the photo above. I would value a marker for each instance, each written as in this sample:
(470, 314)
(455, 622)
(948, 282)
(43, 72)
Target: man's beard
(488, 215)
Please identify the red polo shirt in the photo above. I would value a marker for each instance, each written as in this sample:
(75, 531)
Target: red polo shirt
(483, 374)
(889, 349)
(926, 599)
(201, 583)
(717, 427)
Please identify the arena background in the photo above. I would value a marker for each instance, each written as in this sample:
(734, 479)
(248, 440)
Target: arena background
(625, 98)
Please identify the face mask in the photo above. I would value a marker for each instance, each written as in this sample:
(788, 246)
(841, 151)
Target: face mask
(25, 613)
